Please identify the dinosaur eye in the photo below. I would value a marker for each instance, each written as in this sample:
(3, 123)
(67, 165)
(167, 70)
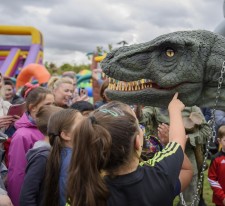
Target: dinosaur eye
(170, 52)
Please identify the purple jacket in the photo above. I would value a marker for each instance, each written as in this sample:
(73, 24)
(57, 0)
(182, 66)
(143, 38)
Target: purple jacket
(22, 140)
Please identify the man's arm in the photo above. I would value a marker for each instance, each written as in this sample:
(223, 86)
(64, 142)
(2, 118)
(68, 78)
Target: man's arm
(186, 172)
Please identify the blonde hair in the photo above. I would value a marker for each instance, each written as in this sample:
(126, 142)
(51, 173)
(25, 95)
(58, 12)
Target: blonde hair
(55, 82)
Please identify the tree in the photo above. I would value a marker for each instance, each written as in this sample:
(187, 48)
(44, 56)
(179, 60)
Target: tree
(52, 68)
(65, 67)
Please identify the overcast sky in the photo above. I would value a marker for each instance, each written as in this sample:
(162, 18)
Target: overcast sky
(71, 29)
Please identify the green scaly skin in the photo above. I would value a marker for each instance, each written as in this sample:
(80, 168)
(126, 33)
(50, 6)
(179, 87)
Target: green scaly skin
(192, 69)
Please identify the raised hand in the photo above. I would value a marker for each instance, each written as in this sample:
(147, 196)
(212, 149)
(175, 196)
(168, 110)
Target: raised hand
(176, 104)
(163, 133)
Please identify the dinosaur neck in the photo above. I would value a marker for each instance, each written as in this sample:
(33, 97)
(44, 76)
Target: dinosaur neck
(212, 76)
(216, 57)
(214, 86)
(208, 99)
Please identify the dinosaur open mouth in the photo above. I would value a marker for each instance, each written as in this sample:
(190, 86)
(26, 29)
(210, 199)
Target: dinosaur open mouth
(134, 85)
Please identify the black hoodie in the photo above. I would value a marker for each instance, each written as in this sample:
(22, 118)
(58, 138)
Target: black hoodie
(32, 189)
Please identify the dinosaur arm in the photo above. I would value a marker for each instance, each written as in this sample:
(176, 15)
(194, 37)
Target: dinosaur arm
(146, 115)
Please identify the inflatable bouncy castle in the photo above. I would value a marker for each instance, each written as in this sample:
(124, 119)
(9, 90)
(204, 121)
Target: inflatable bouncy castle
(13, 57)
(24, 61)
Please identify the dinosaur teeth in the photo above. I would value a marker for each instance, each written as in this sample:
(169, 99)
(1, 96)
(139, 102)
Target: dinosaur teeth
(129, 86)
(120, 88)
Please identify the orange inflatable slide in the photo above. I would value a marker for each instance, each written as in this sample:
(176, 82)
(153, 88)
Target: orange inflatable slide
(37, 71)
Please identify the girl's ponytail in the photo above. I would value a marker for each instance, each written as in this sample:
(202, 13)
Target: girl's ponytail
(61, 121)
(51, 197)
(103, 142)
(91, 152)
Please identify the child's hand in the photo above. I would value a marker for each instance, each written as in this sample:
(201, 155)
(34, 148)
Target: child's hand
(15, 117)
(163, 133)
(5, 201)
(176, 104)
(5, 121)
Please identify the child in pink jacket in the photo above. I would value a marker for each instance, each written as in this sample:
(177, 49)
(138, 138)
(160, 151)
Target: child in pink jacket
(24, 138)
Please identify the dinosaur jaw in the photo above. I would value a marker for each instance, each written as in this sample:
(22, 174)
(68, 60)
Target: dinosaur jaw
(138, 85)
(148, 93)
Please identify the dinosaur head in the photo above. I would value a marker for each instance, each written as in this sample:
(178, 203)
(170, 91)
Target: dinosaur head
(150, 73)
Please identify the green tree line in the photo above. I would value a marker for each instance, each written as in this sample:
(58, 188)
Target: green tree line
(53, 69)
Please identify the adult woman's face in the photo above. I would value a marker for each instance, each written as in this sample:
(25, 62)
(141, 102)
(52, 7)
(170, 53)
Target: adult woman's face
(8, 92)
(63, 94)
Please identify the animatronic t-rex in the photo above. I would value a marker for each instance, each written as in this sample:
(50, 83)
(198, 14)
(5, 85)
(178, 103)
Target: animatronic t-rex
(188, 62)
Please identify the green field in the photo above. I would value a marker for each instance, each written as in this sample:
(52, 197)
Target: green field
(207, 192)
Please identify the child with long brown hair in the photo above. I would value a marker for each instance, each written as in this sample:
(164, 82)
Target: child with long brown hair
(33, 186)
(24, 138)
(60, 127)
(110, 141)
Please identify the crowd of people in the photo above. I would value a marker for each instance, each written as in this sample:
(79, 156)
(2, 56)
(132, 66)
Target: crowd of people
(65, 150)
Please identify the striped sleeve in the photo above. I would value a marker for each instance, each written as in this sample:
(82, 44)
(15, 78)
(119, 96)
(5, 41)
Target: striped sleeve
(168, 151)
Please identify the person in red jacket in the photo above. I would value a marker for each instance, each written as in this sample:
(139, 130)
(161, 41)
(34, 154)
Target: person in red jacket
(216, 172)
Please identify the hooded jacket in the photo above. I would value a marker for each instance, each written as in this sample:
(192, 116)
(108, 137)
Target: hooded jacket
(32, 189)
(22, 140)
(2, 187)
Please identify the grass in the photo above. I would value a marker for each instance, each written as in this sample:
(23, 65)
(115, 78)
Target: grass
(207, 192)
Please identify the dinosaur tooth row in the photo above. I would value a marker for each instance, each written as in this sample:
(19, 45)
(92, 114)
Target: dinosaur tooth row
(129, 86)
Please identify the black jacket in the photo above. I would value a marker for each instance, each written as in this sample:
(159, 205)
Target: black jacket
(32, 189)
